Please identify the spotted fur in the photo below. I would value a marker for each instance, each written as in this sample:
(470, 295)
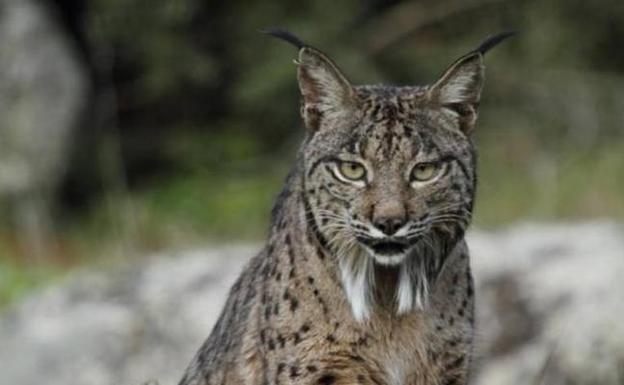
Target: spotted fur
(363, 280)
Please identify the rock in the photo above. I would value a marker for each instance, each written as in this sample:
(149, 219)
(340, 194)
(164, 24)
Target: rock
(119, 327)
(550, 304)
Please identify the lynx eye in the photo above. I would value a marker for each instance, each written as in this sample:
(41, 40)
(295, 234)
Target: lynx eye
(352, 170)
(423, 172)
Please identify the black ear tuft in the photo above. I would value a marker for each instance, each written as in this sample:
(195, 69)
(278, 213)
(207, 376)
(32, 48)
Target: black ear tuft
(286, 36)
(326, 93)
(493, 41)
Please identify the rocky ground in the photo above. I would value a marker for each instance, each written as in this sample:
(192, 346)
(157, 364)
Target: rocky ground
(550, 311)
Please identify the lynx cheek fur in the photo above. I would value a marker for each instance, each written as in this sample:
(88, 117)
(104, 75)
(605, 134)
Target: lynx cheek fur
(365, 278)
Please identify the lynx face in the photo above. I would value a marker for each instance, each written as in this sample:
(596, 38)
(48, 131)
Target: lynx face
(389, 172)
(398, 180)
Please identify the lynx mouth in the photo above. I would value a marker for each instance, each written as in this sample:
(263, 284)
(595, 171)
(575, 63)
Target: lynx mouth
(387, 252)
(385, 248)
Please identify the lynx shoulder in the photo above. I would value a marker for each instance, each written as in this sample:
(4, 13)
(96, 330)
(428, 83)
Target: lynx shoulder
(365, 277)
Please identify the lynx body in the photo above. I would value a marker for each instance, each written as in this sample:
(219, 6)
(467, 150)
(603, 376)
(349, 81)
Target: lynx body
(365, 278)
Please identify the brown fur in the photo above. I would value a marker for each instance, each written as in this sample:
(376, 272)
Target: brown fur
(324, 303)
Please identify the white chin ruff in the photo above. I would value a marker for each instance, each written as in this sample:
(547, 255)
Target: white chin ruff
(358, 279)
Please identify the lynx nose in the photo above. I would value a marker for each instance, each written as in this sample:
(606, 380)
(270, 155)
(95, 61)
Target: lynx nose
(389, 216)
(389, 225)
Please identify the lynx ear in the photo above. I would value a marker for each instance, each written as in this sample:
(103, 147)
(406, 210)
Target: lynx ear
(326, 92)
(459, 89)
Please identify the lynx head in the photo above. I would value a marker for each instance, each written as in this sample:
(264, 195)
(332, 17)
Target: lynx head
(389, 172)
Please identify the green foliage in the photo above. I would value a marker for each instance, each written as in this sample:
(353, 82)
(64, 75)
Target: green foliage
(16, 279)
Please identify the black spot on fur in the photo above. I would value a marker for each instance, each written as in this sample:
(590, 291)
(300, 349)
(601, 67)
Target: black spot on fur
(265, 271)
(361, 341)
(291, 256)
(267, 312)
(455, 363)
(433, 356)
(294, 304)
(321, 302)
(356, 358)
(326, 379)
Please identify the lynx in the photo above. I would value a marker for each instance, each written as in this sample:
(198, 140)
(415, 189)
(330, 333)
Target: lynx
(365, 278)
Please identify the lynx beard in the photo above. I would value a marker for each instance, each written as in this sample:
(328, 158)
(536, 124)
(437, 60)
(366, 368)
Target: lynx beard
(358, 278)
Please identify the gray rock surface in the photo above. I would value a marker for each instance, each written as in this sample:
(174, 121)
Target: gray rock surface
(551, 304)
(550, 310)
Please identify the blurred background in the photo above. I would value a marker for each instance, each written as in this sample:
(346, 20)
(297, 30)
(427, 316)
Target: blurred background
(133, 127)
